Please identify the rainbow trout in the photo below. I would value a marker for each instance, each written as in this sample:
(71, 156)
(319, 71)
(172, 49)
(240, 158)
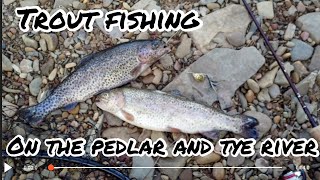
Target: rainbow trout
(159, 111)
(98, 72)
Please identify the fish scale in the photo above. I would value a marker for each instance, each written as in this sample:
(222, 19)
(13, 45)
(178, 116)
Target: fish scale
(96, 73)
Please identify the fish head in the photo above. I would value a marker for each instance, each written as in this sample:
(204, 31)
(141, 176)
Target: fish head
(152, 50)
(111, 101)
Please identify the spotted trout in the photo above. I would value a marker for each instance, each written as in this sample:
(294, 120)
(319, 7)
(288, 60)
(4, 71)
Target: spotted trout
(159, 111)
(96, 73)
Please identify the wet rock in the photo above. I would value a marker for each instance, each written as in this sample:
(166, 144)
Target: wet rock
(289, 34)
(265, 9)
(236, 39)
(219, 65)
(280, 78)
(268, 78)
(123, 133)
(265, 122)
(233, 18)
(29, 42)
(172, 162)
(210, 158)
(315, 61)
(143, 173)
(51, 40)
(26, 66)
(311, 23)
(35, 85)
(301, 51)
(184, 47)
(6, 63)
(148, 5)
(8, 108)
(260, 162)
(274, 91)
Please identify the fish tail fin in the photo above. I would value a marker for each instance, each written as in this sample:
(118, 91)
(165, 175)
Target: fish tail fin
(32, 115)
(248, 128)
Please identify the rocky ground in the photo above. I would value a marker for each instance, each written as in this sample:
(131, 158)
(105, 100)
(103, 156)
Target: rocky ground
(228, 49)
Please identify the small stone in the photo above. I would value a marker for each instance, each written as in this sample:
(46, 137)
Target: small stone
(290, 44)
(43, 44)
(236, 39)
(143, 35)
(186, 174)
(47, 67)
(70, 65)
(148, 79)
(7, 2)
(142, 173)
(243, 100)
(8, 108)
(218, 173)
(253, 85)
(53, 74)
(300, 69)
(75, 110)
(36, 65)
(35, 85)
(277, 119)
(289, 34)
(29, 3)
(235, 161)
(157, 76)
(184, 47)
(310, 22)
(295, 77)
(281, 50)
(6, 63)
(29, 42)
(46, 173)
(26, 66)
(78, 5)
(301, 7)
(210, 158)
(260, 162)
(264, 96)
(304, 35)
(280, 78)
(112, 120)
(292, 10)
(213, 6)
(265, 9)
(51, 40)
(106, 3)
(315, 60)
(250, 96)
(274, 91)
(166, 61)
(301, 50)
(268, 78)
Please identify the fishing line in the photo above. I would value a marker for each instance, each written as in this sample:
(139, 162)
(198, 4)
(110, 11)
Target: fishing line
(292, 85)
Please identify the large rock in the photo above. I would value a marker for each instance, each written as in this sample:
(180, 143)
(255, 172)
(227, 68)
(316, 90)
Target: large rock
(233, 18)
(310, 23)
(301, 50)
(315, 61)
(230, 68)
(143, 173)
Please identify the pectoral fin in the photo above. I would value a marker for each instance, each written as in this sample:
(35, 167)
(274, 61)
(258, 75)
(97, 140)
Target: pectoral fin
(127, 116)
(136, 71)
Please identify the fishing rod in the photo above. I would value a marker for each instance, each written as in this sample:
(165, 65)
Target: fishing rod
(292, 85)
(79, 160)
